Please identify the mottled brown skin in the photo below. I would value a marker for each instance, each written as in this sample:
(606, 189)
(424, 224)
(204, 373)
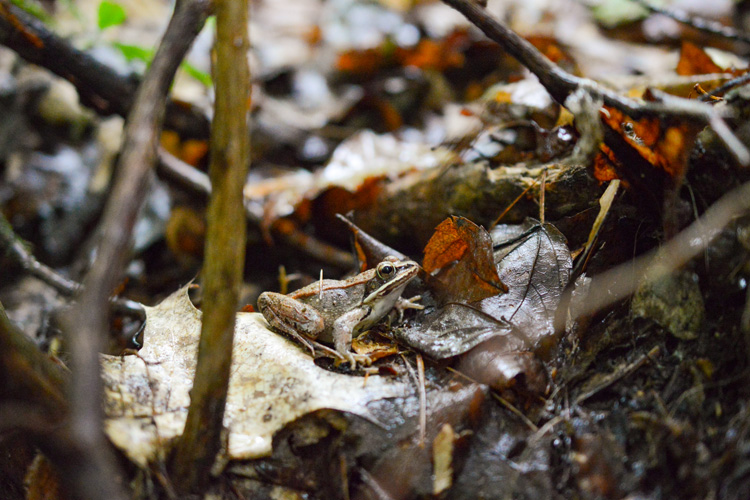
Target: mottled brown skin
(335, 311)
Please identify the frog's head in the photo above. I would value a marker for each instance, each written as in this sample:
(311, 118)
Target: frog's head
(388, 283)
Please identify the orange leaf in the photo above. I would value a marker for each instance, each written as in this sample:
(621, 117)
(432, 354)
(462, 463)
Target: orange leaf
(695, 61)
(445, 246)
(462, 252)
(360, 61)
(605, 168)
(665, 146)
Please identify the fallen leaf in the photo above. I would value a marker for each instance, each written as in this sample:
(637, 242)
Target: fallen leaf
(374, 346)
(442, 458)
(695, 61)
(461, 252)
(533, 260)
(370, 251)
(662, 145)
(273, 382)
(497, 365)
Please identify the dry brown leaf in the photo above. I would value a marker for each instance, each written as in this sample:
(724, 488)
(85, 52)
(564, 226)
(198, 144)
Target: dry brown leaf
(665, 146)
(695, 61)
(462, 251)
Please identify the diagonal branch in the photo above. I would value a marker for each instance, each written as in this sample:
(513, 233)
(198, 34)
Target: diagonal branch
(86, 326)
(98, 85)
(705, 25)
(560, 84)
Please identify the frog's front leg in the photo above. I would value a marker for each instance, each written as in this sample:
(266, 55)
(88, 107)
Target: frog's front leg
(403, 304)
(342, 335)
(292, 317)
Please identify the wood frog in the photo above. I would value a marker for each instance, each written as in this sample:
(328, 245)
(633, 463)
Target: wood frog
(337, 310)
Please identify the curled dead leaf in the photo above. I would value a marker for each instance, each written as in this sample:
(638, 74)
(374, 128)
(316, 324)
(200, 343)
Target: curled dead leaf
(534, 261)
(461, 252)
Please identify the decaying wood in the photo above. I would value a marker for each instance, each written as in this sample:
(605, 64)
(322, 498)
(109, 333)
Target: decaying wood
(407, 212)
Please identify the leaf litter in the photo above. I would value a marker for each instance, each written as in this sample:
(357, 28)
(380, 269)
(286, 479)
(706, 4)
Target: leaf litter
(480, 327)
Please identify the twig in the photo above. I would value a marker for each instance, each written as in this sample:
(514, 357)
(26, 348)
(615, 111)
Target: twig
(375, 488)
(193, 179)
(17, 250)
(422, 401)
(86, 326)
(98, 85)
(560, 84)
(619, 374)
(512, 204)
(701, 24)
(507, 404)
(224, 261)
(726, 87)
(617, 284)
(27, 374)
(197, 181)
(312, 246)
(605, 204)
(542, 190)
(33, 391)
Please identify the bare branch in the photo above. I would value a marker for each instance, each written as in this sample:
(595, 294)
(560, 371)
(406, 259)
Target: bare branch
(195, 180)
(617, 284)
(98, 85)
(86, 326)
(726, 87)
(16, 249)
(705, 25)
(560, 84)
(224, 260)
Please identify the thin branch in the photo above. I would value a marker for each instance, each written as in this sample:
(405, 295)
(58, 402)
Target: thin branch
(189, 177)
(224, 260)
(195, 180)
(27, 374)
(86, 326)
(705, 25)
(98, 85)
(726, 87)
(560, 84)
(620, 373)
(619, 283)
(422, 402)
(17, 250)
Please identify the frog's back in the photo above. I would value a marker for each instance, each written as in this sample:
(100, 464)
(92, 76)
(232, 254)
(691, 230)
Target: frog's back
(331, 300)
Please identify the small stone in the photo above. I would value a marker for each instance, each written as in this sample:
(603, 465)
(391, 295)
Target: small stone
(674, 302)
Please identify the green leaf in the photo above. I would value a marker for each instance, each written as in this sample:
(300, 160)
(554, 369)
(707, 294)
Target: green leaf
(199, 75)
(110, 14)
(612, 13)
(135, 53)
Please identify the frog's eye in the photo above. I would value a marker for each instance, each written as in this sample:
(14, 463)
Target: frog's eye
(385, 270)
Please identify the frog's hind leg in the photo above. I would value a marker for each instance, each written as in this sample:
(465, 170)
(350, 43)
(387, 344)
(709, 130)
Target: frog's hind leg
(326, 350)
(308, 343)
(314, 346)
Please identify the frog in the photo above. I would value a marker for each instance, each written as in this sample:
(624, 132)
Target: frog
(336, 311)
